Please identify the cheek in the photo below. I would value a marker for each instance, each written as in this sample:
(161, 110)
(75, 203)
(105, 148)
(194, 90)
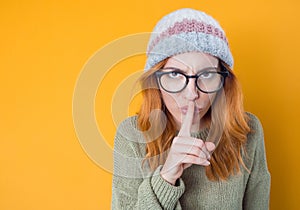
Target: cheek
(171, 101)
(211, 98)
(205, 100)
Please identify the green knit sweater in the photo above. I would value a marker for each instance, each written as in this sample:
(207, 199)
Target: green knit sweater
(136, 187)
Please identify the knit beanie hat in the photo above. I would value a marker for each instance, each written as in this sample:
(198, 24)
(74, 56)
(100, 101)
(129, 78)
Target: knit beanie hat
(187, 30)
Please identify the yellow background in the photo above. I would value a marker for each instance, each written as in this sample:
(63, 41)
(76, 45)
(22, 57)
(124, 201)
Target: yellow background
(45, 44)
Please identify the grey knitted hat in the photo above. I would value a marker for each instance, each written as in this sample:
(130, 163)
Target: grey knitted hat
(187, 30)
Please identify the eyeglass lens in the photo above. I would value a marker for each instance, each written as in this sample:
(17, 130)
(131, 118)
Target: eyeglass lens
(208, 81)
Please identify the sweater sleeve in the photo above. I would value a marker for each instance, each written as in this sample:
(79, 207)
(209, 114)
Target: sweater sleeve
(257, 191)
(133, 186)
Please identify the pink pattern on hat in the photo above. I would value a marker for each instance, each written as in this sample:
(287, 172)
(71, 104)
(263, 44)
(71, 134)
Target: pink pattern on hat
(186, 26)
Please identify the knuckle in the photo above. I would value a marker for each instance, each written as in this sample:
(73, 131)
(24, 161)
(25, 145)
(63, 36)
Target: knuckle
(202, 155)
(198, 142)
(176, 140)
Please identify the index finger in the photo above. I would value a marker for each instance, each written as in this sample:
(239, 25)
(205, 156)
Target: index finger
(187, 122)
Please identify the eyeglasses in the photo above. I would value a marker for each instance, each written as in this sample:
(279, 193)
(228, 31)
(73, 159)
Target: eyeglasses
(209, 80)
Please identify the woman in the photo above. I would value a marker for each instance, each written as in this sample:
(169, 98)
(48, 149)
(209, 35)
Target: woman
(191, 146)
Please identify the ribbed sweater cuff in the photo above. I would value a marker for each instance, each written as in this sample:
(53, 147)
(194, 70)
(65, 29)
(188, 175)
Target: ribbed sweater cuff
(167, 194)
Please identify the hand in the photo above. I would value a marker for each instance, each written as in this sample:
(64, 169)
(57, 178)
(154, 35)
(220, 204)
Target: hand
(185, 150)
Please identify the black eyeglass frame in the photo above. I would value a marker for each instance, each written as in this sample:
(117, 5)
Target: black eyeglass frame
(224, 72)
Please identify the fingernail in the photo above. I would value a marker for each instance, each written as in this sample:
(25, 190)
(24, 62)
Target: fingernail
(207, 163)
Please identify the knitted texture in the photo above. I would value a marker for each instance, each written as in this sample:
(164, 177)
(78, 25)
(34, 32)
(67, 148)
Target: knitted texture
(187, 30)
(247, 190)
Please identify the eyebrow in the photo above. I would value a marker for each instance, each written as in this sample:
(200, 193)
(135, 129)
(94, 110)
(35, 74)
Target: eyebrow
(184, 72)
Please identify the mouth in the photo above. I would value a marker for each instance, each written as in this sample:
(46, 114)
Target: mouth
(184, 110)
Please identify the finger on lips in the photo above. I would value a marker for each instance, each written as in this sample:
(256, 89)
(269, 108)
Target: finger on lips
(194, 148)
(188, 120)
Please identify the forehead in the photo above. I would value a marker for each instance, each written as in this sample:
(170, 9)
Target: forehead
(192, 61)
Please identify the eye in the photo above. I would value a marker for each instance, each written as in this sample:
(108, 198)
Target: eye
(174, 74)
(207, 75)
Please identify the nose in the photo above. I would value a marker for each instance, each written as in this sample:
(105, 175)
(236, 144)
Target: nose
(191, 92)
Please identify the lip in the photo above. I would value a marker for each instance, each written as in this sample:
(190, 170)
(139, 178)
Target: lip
(184, 110)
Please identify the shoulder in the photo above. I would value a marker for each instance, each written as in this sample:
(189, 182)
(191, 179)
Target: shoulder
(128, 133)
(255, 158)
(129, 151)
(128, 124)
(255, 138)
(256, 133)
(128, 128)
(254, 122)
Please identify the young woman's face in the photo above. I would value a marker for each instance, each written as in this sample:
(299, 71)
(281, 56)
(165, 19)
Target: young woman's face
(189, 64)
